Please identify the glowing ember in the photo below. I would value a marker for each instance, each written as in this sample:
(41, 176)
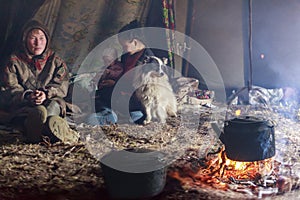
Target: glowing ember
(220, 172)
(238, 112)
(244, 170)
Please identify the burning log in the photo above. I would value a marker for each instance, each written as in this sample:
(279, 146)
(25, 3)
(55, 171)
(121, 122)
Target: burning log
(250, 178)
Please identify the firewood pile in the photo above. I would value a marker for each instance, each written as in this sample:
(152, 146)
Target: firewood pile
(195, 171)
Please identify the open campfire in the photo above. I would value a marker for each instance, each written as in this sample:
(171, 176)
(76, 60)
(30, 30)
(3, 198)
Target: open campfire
(258, 178)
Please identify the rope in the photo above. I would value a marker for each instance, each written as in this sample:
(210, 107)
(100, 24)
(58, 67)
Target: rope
(250, 47)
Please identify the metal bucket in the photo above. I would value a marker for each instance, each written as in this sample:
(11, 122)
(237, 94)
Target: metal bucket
(133, 174)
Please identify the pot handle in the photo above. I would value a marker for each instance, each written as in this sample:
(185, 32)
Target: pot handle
(219, 132)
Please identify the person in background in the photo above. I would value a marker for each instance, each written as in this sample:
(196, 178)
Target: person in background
(105, 82)
(35, 81)
(135, 53)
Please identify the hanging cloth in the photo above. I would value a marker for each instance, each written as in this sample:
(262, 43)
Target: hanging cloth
(169, 24)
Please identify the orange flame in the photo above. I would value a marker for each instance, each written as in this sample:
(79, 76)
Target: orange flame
(242, 170)
(220, 170)
(238, 112)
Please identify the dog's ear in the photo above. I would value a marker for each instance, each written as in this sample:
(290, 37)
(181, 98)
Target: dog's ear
(147, 60)
(165, 60)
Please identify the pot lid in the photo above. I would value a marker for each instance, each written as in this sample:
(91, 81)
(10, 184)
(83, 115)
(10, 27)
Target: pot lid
(250, 120)
(134, 160)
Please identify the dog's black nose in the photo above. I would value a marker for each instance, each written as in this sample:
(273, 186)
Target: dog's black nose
(161, 73)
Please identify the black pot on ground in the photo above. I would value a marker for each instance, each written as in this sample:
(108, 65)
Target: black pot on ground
(134, 173)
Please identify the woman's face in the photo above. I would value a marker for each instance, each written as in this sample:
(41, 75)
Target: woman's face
(36, 42)
(128, 46)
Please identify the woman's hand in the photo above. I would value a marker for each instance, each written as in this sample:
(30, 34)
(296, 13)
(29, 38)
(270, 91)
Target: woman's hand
(37, 97)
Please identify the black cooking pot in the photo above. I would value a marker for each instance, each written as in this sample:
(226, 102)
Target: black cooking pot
(248, 139)
(134, 173)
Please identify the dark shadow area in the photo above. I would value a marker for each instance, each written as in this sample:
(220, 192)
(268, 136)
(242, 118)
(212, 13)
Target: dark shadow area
(14, 14)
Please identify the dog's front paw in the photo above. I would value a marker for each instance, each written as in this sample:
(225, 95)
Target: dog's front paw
(172, 113)
(147, 119)
(145, 122)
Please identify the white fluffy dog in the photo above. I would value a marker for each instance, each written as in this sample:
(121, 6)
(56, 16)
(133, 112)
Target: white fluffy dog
(154, 90)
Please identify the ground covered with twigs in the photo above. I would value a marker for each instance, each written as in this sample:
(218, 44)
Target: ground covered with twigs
(72, 171)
